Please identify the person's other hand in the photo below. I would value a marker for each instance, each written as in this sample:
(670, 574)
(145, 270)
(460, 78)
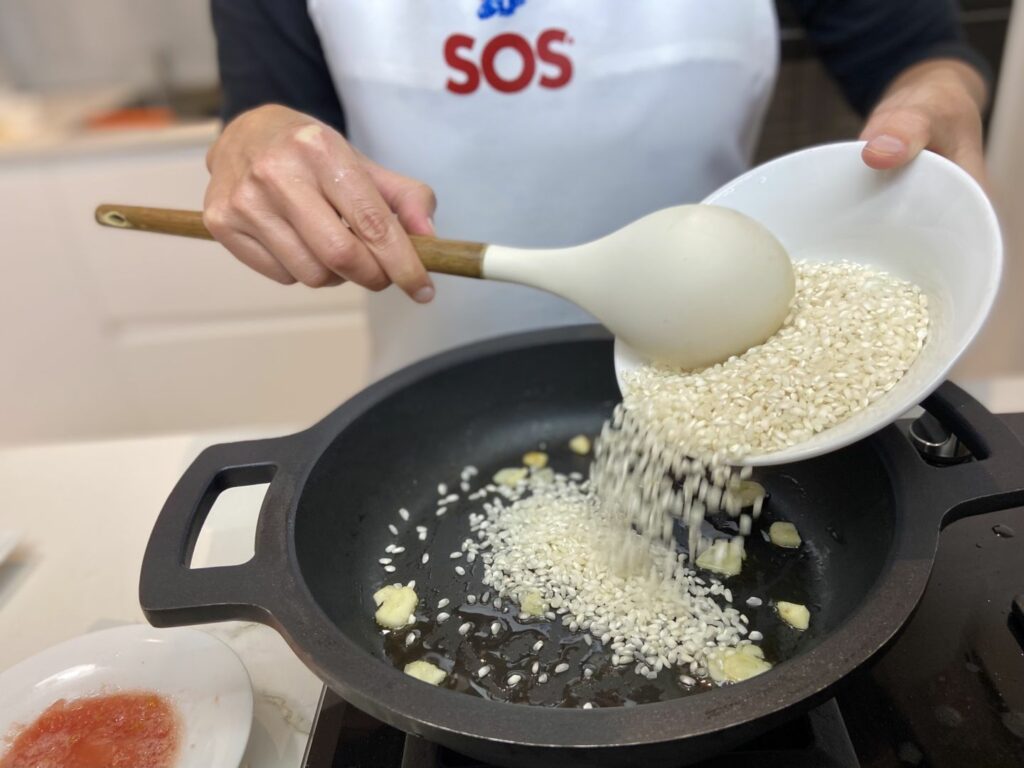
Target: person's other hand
(933, 105)
(280, 184)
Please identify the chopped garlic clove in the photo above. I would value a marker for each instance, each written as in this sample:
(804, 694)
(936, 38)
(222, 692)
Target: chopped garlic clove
(533, 604)
(721, 558)
(395, 606)
(749, 492)
(425, 671)
(744, 664)
(510, 476)
(734, 665)
(580, 444)
(535, 459)
(794, 614)
(784, 535)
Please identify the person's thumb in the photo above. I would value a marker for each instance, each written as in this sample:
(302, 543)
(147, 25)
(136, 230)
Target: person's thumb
(895, 137)
(413, 201)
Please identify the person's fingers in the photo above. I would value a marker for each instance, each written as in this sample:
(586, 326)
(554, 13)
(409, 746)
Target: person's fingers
(279, 238)
(349, 188)
(324, 233)
(895, 137)
(256, 257)
(372, 221)
(335, 245)
(222, 222)
(413, 201)
(963, 143)
(249, 210)
(970, 157)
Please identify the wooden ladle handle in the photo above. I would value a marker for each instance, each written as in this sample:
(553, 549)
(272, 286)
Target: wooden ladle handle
(450, 257)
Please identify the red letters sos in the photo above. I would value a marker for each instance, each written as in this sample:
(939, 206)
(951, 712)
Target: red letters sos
(555, 68)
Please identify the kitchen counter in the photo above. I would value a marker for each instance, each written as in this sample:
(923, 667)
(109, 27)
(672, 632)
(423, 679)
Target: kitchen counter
(57, 144)
(83, 513)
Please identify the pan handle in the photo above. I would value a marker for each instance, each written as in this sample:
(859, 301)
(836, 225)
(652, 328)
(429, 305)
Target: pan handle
(171, 592)
(993, 480)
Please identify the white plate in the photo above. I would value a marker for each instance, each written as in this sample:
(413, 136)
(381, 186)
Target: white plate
(205, 680)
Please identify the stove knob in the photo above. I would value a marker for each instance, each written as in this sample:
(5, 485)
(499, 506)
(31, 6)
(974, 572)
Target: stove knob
(936, 443)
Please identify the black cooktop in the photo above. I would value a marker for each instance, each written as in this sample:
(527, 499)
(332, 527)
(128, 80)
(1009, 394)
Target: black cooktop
(949, 693)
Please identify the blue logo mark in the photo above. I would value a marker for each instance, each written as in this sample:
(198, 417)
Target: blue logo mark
(489, 8)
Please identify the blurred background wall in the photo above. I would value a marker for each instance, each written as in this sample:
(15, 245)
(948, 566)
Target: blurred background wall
(47, 44)
(107, 333)
(997, 359)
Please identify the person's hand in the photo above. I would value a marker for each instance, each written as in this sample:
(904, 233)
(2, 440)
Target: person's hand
(280, 184)
(933, 105)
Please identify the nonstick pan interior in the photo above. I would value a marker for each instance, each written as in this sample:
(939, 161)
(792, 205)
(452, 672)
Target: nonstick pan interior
(487, 413)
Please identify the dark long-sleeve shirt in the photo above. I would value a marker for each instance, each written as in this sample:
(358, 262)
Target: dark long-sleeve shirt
(269, 52)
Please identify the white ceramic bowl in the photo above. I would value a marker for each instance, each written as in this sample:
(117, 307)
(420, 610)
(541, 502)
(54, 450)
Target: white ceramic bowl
(202, 677)
(929, 222)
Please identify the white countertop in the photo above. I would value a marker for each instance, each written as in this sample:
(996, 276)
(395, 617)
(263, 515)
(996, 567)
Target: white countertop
(83, 513)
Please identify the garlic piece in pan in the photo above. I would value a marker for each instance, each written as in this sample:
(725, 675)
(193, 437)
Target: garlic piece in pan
(425, 671)
(510, 476)
(794, 614)
(749, 492)
(535, 459)
(395, 605)
(724, 557)
(784, 535)
(580, 444)
(733, 665)
(533, 604)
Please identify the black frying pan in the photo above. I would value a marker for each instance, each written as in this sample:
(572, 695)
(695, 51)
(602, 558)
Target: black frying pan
(870, 515)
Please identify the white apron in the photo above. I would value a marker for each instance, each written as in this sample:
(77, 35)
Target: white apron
(542, 123)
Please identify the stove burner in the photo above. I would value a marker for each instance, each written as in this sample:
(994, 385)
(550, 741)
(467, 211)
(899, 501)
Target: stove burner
(344, 737)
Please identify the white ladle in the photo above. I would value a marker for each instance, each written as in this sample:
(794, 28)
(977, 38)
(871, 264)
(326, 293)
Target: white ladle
(690, 285)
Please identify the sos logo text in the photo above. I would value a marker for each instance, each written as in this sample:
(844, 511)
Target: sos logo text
(473, 65)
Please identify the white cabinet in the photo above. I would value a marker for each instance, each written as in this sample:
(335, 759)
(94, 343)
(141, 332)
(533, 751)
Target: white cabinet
(107, 332)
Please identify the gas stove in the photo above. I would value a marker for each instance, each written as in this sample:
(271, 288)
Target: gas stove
(949, 693)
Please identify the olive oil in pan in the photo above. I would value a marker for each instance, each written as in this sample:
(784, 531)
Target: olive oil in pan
(555, 675)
